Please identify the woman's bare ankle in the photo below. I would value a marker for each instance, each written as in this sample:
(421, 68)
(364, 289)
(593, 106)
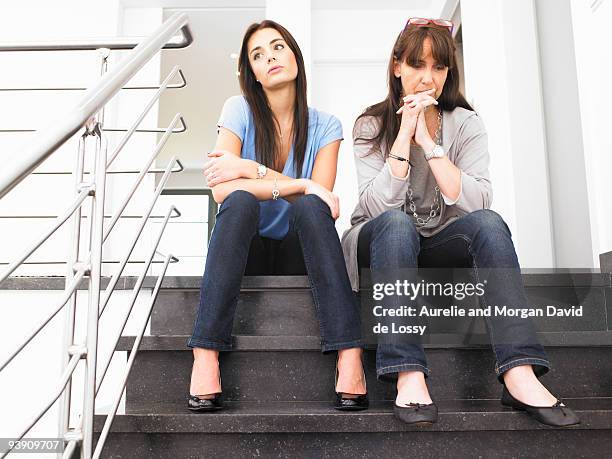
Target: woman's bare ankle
(523, 384)
(205, 375)
(351, 380)
(411, 388)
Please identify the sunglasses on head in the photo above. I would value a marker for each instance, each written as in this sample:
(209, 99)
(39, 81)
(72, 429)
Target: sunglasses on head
(421, 22)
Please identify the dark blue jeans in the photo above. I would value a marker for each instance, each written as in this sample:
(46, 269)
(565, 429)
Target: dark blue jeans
(480, 240)
(311, 246)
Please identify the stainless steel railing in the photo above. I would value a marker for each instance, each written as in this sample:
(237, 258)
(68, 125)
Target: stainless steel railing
(85, 258)
(67, 125)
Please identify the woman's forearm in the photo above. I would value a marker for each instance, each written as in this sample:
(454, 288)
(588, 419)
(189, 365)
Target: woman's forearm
(249, 171)
(447, 175)
(401, 147)
(261, 188)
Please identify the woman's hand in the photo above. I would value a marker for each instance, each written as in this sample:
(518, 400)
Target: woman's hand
(421, 135)
(329, 198)
(414, 105)
(223, 167)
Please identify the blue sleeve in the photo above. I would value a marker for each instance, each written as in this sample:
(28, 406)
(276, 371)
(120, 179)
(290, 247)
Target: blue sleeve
(234, 116)
(331, 131)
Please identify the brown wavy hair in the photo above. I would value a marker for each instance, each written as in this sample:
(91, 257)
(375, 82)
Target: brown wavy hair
(409, 48)
(267, 149)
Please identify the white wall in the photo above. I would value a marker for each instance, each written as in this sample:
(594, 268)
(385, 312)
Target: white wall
(569, 183)
(593, 48)
(503, 84)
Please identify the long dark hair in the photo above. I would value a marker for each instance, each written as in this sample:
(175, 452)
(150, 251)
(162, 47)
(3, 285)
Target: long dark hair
(266, 146)
(409, 48)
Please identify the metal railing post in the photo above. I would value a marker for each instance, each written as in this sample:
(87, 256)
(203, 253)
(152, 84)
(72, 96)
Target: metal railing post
(69, 320)
(89, 393)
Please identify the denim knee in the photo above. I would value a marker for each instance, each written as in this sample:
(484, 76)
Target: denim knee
(307, 203)
(397, 230)
(310, 210)
(394, 241)
(242, 202)
(490, 221)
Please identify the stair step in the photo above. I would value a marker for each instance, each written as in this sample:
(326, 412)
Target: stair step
(465, 428)
(283, 306)
(255, 417)
(272, 312)
(296, 370)
(311, 342)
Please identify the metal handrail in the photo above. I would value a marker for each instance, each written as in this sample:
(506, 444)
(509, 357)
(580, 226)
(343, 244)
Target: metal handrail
(65, 298)
(115, 278)
(65, 126)
(114, 43)
(27, 217)
(179, 165)
(180, 85)
(156, 152)
(142, 115)
(132, 301)
(104, 262)
(130, 363)
(52, 229)
(183, 128)
(89, 114)
(82, 196)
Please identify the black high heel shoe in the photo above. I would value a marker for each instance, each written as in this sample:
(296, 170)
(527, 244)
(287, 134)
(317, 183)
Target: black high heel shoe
(358, 403)
(557, 415)
(416, 413)
(204, 405)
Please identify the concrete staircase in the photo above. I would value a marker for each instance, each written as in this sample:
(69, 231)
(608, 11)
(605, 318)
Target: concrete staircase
(278, 387)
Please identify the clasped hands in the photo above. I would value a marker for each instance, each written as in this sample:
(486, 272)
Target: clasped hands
(413, 124)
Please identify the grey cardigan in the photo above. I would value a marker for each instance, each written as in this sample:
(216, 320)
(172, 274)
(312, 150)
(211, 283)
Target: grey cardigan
(464, 139)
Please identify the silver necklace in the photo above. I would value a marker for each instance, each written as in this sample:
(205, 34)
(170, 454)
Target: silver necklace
(435, 206)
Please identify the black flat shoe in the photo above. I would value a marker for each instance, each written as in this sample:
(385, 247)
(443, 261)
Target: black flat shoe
(358, 403)
(557, 415)
(202, 405)
(416, 413)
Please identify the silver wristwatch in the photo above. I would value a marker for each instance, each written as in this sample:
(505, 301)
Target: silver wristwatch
(261, 171)
(437, 152)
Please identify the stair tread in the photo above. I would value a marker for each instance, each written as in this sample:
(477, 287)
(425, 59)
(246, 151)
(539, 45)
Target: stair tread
(253, 417)
(531, 278)
(311, 343)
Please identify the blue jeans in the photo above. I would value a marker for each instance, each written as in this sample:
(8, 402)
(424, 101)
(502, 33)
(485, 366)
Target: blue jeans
(311, 246)
(479, 240)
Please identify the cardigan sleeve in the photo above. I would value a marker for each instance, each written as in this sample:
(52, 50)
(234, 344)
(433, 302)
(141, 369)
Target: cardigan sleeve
(473, 160)
(379, 189)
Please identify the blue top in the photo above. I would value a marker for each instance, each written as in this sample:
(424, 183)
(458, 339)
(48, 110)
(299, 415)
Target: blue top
(323, 129)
